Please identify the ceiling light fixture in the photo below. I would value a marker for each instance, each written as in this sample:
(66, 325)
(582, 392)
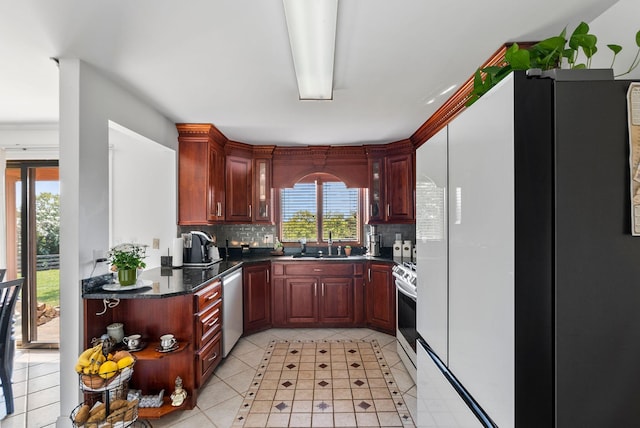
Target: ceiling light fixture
(312, 35)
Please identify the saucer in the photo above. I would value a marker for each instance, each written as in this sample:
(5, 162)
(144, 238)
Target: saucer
(140, 347)
(163, 350)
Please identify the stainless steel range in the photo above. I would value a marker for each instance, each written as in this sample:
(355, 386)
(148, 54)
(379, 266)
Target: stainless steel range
(406, 296)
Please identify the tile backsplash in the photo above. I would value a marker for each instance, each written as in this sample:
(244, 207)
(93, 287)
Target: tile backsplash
(254, 234)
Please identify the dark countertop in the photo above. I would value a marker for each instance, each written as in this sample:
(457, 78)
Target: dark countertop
(186, 280)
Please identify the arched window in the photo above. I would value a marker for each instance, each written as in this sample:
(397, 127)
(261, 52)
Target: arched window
(318, 206)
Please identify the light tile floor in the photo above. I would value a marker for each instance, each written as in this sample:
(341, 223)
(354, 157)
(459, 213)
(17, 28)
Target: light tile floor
(37, 391)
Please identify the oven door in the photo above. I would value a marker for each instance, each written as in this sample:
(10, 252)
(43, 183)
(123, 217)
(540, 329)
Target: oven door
(406, 332)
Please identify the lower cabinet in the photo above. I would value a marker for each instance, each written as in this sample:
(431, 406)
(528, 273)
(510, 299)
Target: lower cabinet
(318, 294)
(257, 297)
(380, 295)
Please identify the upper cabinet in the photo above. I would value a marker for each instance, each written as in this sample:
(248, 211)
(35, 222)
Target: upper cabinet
(391, 183)
(201, 186)
(248, 183)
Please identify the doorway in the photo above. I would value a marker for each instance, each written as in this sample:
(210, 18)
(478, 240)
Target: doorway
(33, 237)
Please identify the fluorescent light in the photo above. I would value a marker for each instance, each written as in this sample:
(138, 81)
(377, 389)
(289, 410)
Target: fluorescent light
(312, 35)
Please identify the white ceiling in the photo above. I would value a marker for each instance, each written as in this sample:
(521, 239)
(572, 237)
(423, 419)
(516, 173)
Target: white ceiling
(228, 62)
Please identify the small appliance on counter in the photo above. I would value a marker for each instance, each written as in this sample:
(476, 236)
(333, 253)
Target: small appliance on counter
(196, 252)
(373, 241)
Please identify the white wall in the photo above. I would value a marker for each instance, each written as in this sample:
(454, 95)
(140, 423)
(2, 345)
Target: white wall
(143, 192)
(618, 25)
(88, 101)
(29, 141)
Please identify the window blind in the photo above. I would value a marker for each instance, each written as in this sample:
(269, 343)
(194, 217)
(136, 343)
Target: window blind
(299, 212)
(339, 212)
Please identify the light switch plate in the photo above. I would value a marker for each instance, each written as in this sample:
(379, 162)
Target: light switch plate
(268, 239)
(156, 243)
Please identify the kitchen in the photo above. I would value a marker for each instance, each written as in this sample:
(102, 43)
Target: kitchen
(85, 170)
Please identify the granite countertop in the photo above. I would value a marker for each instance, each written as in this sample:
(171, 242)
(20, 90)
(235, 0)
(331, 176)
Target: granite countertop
(165, 282)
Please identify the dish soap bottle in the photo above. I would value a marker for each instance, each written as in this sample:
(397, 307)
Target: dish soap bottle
(277, 246)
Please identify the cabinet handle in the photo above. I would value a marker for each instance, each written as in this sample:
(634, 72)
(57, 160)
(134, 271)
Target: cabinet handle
(323, 289)
(219, 209)
(388, 210)
(267, 276)
(249, 210)
(215, 355)
(369, 274)
(371, 209)
(213, 296)
(315, 289)
(317, 270)
(212, 323)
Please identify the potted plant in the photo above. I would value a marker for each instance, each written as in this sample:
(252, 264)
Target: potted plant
(549, 54)
(126, 259)
(347, 250)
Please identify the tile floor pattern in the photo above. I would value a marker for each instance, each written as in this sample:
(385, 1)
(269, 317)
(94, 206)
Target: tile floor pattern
(37, 381)
(326, 383)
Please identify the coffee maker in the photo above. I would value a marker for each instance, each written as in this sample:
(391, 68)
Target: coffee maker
(373, 241)
(196, 249)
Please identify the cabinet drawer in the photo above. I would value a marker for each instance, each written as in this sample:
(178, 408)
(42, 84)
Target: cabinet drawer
(320, 268)
(208, 295)
(207, 359)
(208, 323)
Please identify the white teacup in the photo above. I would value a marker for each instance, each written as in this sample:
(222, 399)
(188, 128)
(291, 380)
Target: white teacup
(167, 341)
(132, 341)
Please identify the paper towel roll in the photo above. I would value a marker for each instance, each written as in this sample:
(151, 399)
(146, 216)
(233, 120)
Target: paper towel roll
(178, 247)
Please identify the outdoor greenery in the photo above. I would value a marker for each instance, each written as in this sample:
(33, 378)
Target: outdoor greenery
(546, 55)
(48, 286)
(302, 224)
(48, 223)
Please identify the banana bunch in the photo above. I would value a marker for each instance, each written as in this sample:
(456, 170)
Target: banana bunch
(90, 360)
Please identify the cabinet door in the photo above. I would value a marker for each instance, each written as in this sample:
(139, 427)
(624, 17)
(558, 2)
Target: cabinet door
(301, 300)
(336, 300)
(381, 297)
(399, 178)
(238, 189)
(262, 206)
(257, 298)
(377, 205)
(192, 181)
(215, 200)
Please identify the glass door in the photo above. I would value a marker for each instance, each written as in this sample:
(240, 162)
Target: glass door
(33, 237)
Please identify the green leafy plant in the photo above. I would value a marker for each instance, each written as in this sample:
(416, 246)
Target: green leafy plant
(546, 55)
(127, 256)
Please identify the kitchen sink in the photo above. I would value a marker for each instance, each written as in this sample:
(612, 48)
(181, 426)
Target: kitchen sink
(318, 256)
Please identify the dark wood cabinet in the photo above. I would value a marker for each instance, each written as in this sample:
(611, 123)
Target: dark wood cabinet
(208, 330)
(248, 183)
(322, 293)
(201, 186)
(216, 198)
(262, 208)
(391, 185)
(380, 295)
(336, 300)
(238, 189)
(257, 297)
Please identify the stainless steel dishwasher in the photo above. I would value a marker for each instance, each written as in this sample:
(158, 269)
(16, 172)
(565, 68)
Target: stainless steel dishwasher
(231, 310)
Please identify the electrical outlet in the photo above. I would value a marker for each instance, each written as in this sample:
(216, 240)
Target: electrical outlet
(156, 243)
(268, 239)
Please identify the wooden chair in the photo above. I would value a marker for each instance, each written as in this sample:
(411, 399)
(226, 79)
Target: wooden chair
(9, 292)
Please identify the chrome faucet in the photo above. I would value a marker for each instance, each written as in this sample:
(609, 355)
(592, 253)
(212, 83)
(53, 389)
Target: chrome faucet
(303, 246)
(330, 242)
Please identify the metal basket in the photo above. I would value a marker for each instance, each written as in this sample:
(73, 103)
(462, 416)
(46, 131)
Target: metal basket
(97, 383)
(117, 418)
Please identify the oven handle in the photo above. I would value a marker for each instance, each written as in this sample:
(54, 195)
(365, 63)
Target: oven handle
(407, 293)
